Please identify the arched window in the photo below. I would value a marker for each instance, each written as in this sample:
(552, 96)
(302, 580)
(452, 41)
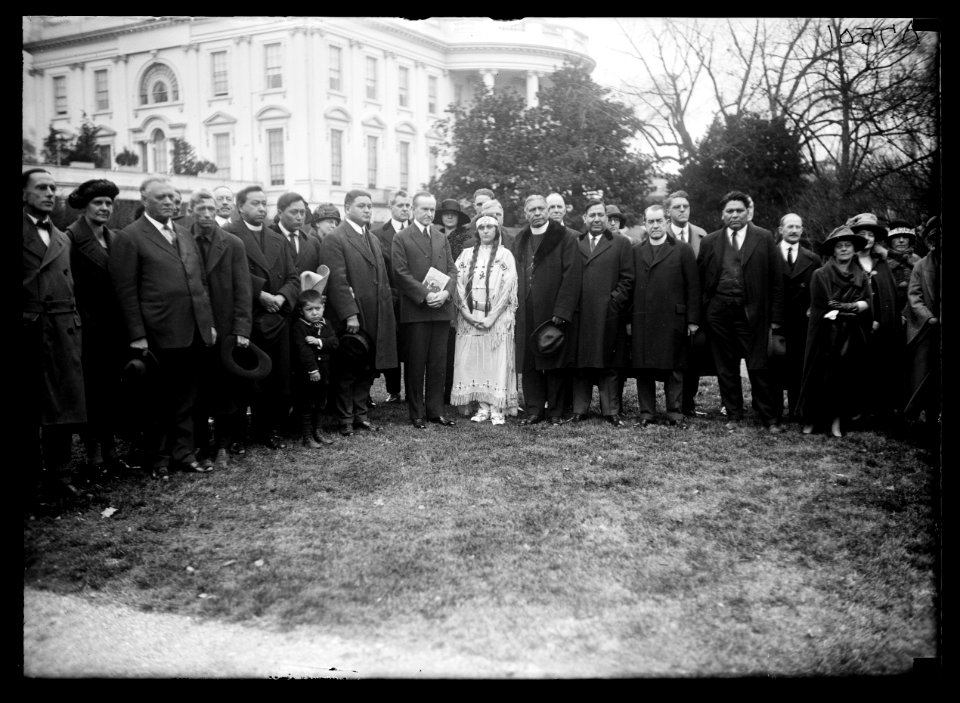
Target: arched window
(159, 85)
(159, 147)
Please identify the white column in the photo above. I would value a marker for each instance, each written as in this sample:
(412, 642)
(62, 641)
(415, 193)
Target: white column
(489, 76)
(533, 87)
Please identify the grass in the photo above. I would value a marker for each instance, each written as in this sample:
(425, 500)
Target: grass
(592, 550)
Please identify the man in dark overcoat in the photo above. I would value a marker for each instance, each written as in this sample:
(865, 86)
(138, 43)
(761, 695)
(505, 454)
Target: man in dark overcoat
(158, 275)
(549, 270)
(228, 284)
(666, 313)
(358, 298)
(274, 286)
(741, 281)
(401, 207)
(50, 336)
(799, 263)
(291, 216)
(425, 313)
(607, 280)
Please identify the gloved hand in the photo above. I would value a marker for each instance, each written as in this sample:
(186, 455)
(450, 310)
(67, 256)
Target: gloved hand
(849, 307)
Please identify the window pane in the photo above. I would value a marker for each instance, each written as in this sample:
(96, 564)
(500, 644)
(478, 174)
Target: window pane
(275, 149)
(219, 61)
(60, 95)
(403, 81)
(432, 94)
(336, 157)
(221, 153)
(335, 69)
(404, 165)
(371, 78)
(371, 162)
(274, 71)
(159, 92)
(102, 90)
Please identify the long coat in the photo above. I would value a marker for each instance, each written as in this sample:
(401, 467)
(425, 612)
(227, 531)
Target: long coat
(160, 286)
(550, 282)
(412, 257)
(104, 338)
(796, 302)
(272, 269)
(359, 285)
(228, 282)
(923, 338)
(887, 344)
(762, 265)
(307, 257)
(51, 344)
(607, 282)
(666, 298)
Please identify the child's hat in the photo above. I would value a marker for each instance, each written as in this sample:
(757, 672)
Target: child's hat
(315, 281)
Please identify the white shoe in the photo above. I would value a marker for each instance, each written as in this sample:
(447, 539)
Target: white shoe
(497, 420)
(481, 416)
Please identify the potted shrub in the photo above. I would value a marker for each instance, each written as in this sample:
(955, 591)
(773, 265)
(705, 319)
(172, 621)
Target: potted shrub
(127, 160)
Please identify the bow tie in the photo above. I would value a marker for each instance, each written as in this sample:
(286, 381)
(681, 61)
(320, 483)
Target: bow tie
(43, 224)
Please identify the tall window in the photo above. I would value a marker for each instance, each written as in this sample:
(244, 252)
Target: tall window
(336, 156)
(371, 78)
(336, 56)
(60, 94)
(102, 89)
(159, 144)
(221, 154)
(432, 95)
(274, 70)
(275, 156)
(403, 86)
(371, 162)
(159, 85)
(218, 61)
(431, 163)
(404, 165)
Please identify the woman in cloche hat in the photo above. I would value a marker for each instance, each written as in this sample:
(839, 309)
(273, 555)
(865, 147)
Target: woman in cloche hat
(831, 388)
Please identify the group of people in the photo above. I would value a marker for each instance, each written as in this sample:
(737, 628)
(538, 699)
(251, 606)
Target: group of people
(192, 320)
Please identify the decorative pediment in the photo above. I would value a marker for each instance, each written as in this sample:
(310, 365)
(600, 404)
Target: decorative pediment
(219, 118)
(273, 112)
(375, 122)
(337, 113)
(406, 128)
(432, 133)
(103, 131)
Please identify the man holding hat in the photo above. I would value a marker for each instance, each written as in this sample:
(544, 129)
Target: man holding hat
(228, 283)
(426, 311)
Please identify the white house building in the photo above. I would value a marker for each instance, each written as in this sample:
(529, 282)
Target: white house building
(318, 105)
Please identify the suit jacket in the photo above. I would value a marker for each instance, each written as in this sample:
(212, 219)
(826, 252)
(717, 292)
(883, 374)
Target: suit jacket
(762, 265)
(228, 283)
(412, 257)
(696, 236)
(666, 298)
(272, 269)
(309, 358)
(307, 257)
(607, 282)
(359, 285)
(796, 297)
(550, 284)
(51, 345)
(385, 236)
(160, 287)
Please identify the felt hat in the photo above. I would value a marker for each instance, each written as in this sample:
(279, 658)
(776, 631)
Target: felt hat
(451, 205)
(547, 339)
(614, 211)
(141, 365)
(249, 362)
(88, 190)
(842, 233)
(900, 228)
(867, 220)
(355, 350)
(326, 211)
(315, 281)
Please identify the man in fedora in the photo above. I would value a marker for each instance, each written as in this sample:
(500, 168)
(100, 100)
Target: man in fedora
(50, 337)
(741, 282)
(228, 284)
(425, 311)
(607, 281)
(358, 298)
(549, 270)
(158, 273)
(274, 286)
(401, 207)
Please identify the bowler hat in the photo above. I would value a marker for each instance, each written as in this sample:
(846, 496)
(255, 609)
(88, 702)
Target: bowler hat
(451, 205)
(326, 211)
(249, 362)
(867, 220)
(315, 281)
(841, 234)
(355, 350)
(141, 365)
(547, 339)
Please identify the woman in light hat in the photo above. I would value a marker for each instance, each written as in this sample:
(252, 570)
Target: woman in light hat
(484, 367)
(887, 341)
(901, 258)
(104, 331)
(831, 389)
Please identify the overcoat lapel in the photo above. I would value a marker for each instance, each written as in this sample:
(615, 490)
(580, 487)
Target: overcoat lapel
(253, 249)
(750, 241)
(218, 245)
(32, 241)
(85, 243)
(354, 240)
(152, 235)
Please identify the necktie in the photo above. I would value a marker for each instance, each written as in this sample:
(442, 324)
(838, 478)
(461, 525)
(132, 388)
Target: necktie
(203, 243)
(593, 243)
(736, 240)
(682, 235)
(168, 233)
(790, 259)
(294, 242)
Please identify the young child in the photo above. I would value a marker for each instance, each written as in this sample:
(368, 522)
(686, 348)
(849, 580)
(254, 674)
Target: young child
(315, 342)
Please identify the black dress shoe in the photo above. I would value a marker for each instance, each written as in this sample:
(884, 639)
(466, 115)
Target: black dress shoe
(196, 467)
(346, 431)
(419, 423)
(614, 420)
(532, 420)
(680, 424)
(394, 398)
(642, 422)
(238, 449)
(366, 426)
(441, 420)
(579, 417)
(275, 441)
(557, 421)
(371, 403)
(322, 438)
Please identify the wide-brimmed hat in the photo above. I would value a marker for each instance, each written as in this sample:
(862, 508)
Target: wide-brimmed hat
(840, 234)
(326, 211)
(900, 228)
(355, 350)
(249, 362)
(614, 211)
(867, 220)
(547, 339)
(451, 205)
(141, 365)
(315, 281)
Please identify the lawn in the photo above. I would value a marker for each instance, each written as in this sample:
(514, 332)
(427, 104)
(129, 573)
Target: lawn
(590, 550)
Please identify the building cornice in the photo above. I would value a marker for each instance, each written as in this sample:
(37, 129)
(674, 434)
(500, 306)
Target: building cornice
(528, 50)
(103, 34)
